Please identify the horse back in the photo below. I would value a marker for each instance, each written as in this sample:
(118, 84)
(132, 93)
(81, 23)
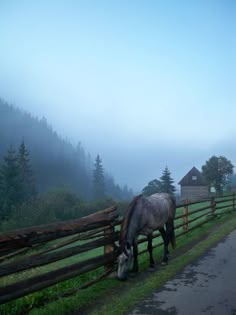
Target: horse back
(156, 209)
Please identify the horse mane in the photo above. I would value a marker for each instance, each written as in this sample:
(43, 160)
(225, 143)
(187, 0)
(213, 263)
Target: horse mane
(127, 216)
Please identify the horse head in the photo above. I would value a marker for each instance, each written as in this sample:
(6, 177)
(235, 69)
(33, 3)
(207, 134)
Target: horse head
(124, 260)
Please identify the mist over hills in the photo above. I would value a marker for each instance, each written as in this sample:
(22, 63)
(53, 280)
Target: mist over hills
(55, 161)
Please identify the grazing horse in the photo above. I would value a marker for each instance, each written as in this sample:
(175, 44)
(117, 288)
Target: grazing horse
(143, 216)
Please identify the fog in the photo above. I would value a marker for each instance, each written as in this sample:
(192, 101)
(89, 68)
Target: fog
(144, 84)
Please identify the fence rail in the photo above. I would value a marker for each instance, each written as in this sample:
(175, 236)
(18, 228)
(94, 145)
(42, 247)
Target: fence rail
(25, 249)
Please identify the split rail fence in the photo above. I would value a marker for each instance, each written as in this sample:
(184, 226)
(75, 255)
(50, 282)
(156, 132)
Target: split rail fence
(25, 249)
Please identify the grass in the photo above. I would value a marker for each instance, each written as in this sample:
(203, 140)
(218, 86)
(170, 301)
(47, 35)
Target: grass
(52, 266)
(42, 296)
(104, 287)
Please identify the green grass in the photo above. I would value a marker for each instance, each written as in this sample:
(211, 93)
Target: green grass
(101, 289)
(52, 266)
(50, 293)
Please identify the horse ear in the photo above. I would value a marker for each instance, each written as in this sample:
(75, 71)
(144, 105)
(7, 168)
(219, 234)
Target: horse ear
(128, 245)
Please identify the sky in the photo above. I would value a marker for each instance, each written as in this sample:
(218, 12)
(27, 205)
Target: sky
(146, 84)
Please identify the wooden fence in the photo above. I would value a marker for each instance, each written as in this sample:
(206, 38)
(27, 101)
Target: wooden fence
(25, 249)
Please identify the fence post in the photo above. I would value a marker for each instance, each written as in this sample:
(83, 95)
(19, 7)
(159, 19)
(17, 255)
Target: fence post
(110, 247)
(185, 215)
(213, 207)
(233, 203)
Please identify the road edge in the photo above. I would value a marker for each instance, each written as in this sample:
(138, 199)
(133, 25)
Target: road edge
(135, 291)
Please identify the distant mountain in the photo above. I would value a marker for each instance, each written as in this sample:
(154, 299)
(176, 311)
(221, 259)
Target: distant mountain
(55, 161)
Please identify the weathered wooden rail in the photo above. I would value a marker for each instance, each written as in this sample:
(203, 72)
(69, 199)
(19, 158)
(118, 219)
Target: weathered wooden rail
(34, 247)
(40, 234)
(92, 232)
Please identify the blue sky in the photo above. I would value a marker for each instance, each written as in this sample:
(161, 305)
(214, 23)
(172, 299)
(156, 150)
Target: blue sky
(132, 80)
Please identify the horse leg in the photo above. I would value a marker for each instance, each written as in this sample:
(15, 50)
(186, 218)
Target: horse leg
(170, 230)
(166, 242)
(150, 250)
(135, 253)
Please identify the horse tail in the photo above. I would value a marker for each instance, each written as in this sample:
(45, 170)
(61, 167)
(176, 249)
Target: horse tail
(172, 234)
(172, 227)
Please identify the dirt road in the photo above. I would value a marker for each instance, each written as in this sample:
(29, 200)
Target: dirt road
(206, 287)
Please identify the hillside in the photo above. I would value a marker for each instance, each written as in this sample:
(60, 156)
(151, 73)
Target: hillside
(55, 161)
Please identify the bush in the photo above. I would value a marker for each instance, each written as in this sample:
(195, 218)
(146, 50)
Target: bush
(65, 204)
(58, 204)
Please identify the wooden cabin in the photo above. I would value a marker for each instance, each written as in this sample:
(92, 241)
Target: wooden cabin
(193, 186)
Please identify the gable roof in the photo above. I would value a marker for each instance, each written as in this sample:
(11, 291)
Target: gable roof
(188, 180)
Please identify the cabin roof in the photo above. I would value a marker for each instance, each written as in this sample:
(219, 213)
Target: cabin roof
(193, 178)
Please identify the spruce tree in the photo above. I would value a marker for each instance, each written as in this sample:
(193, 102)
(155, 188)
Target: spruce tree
(28, 189)
(98, 179)
(167, 182)
(10, 183)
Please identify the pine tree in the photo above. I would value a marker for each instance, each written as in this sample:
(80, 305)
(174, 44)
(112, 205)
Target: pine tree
(28, 190)
(98, 179)
(167, 182)
(10, 184)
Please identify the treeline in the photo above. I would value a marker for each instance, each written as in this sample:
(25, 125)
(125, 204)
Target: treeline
(21, 205)
(55, 161)
(40, 170)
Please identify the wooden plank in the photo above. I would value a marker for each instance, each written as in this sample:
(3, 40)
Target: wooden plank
(27, 237)
(193, 202)
(63, 225)
(25, 287)
(194, 226)
(224, 200)
(36, 261)
(224, 212)
(193, 211)
(223, 207)
(79, 237)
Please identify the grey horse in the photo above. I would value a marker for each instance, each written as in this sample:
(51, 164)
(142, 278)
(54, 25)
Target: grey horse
(143, 216)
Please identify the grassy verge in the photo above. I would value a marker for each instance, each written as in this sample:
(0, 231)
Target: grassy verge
(136, 291)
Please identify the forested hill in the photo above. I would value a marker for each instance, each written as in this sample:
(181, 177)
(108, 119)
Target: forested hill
(55, 161)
